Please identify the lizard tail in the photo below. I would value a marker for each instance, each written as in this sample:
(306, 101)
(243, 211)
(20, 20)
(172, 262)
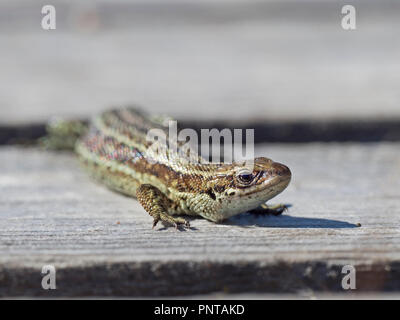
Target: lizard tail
(63, 134)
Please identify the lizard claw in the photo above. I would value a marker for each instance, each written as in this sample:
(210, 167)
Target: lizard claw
(176, 222)
(155, 223)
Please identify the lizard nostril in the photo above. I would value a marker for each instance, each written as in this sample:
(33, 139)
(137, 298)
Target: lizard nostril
(280, 169)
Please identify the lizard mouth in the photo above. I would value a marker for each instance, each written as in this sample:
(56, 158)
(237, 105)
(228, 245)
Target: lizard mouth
(269, 189)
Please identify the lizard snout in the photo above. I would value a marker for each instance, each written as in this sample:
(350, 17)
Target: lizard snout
(279, 169)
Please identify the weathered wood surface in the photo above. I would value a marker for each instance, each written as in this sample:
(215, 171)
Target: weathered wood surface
(102, 243)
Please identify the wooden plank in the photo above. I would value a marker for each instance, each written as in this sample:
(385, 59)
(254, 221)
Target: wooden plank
(52, 213)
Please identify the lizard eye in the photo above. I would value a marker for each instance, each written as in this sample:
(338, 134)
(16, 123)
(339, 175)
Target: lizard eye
(245, 177)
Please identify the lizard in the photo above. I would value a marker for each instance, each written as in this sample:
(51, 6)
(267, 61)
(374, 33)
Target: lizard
(114, 149)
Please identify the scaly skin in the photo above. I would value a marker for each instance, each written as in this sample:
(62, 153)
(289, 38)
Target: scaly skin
(115, 151)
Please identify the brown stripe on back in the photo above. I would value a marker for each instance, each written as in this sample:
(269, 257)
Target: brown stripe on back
(116, 127)
(174, 170)
(130, 122)
(107, 148)
(137, 119)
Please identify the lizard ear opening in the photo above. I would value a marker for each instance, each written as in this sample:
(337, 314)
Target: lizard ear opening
(211, 194)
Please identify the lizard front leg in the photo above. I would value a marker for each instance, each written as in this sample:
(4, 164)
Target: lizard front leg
(156, 204)
(275, 210)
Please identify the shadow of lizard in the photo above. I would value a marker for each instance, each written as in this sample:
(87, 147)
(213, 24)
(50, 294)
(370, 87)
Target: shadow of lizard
(286, 221)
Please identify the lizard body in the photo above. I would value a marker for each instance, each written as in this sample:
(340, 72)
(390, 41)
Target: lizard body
(114, 150)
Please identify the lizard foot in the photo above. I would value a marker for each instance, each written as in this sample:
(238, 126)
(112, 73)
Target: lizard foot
(166, 219)
(156, 204)
(275, 210)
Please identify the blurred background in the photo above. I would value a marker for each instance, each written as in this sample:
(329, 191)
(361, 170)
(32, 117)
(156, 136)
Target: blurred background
(214, 59)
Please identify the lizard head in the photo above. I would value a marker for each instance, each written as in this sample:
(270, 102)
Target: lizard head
(243, 186)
